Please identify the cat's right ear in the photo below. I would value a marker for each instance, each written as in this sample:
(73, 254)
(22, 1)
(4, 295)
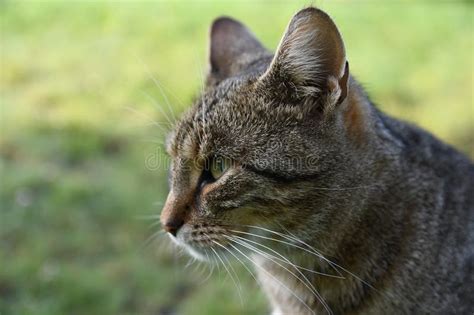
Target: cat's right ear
(310, 60)
(232, 48)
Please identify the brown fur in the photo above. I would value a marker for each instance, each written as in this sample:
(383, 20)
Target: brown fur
(353, 193)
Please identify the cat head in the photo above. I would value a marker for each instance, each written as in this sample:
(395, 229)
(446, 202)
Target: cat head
(264, 139)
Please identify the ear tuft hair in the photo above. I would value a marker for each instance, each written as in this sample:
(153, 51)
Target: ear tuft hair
(310, 53)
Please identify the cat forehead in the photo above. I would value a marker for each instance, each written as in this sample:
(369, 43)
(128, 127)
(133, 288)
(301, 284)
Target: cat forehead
(229, 98)
(233, 113)
(217, 120)
(232, 125)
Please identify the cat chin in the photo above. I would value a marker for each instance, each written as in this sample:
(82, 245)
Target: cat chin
(193, 252)
(196, 254)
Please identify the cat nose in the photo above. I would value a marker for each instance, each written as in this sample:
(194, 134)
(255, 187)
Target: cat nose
(174, 213)
(172, 226)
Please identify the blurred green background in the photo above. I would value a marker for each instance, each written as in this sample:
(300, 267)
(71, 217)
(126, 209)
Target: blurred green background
(79, 149)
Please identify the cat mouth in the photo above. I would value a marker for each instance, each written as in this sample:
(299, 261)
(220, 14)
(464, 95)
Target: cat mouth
(202, 240)
(208, 241)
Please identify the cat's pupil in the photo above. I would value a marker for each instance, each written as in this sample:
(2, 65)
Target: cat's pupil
(213, 169)
(218, 167)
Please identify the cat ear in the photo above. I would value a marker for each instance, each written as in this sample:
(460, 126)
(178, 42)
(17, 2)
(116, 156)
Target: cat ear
(311, 58)
(232, 47)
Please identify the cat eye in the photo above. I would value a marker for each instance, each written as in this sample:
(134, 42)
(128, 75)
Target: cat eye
(218, 166)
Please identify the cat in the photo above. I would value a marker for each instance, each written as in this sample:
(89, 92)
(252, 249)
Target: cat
(283, 162)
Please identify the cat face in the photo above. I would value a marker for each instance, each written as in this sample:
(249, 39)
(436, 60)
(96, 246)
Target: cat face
(262, 136)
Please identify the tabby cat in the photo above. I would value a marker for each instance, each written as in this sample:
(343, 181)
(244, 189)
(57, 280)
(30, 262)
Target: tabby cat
(283, 162)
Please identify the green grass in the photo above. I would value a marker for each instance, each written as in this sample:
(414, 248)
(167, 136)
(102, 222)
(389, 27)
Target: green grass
(75, 162)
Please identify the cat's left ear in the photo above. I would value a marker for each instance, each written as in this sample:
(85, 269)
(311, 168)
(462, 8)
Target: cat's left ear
(232, 48)
(310, 60)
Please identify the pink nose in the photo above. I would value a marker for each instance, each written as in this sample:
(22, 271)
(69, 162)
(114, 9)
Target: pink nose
(175, 212)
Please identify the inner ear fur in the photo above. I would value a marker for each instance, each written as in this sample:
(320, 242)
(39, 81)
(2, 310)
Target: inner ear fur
(310, 58)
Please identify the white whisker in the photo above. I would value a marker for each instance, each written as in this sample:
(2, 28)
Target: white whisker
(211, 269)
(151, 121)
(336, 265)
(236, 257)
(231, 276)
(157, 83)
(281, 241)
(286, 259)
(236, 275)
(151, 238)
(274, 278)
(305, 281)
(157, 105)
(294, 239)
